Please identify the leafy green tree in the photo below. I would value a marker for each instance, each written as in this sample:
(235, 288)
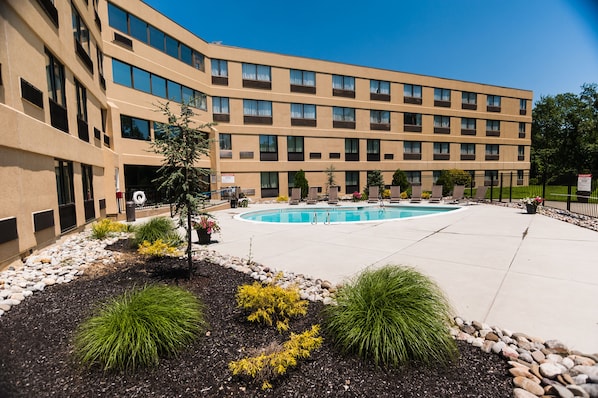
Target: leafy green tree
(182, 145)
(301, 182)
(374, 179)
(565, 133)
(400, 178)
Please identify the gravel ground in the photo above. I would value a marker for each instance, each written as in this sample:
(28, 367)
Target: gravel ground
(36, 352)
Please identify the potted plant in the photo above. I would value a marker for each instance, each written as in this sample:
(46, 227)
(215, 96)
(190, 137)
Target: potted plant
(205, 226)
(531, 204)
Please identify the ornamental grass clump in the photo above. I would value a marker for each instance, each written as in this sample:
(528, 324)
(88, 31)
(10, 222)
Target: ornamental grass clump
(157, 249)
(136, 328)
(157, 228)
(107, 227)
(271, 304)
(392, 315)
(266, 363)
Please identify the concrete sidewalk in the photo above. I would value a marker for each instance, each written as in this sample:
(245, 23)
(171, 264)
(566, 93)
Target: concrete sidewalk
(526, 273)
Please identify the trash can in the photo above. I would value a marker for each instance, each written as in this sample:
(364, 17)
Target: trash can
(130, 207)
(233, 203)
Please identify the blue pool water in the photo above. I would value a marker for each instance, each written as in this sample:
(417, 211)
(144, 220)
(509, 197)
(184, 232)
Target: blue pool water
(321, 215)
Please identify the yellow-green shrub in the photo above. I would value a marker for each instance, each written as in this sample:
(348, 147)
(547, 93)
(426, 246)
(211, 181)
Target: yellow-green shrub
(386, 193)
(106, 227)
(404, 195)
(271, 304)
(157, 249)
(274, 360)
(282, 198)
(425, 195)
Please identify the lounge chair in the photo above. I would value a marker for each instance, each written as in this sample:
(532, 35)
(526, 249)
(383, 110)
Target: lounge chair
(374, 192)
(295, 196)
(332, 195)
(312, 196)
(436, 196)
(458, 194)
(395, 194)
(480, 194)
(416, 194)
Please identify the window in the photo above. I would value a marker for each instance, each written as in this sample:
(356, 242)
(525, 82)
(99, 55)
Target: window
(412, 122)
(121, 73)
(492, 152)
(442, 151)
(256, 72)
(412, 150)
(269, 184)
(520, 152)
(468, 126)
(225, 142)
(138, 29)
(55, 77)
(303, 111)
(436, 175)
(412, 94)
(522, 107)
(414, 177)
(493, 103)
(157, 38)
(141, 80)
(343, 114)
(303, 78)
(351, 149)
(467, 151)
(442, 97)
(87, 179)
(491, 177)
(442, 124)
(268, 147)
(257, 108)
(134, 128)
(100, 60)
(493, 128)
(117, 18)
(469, 98)
(295, 148)
(81, 101)
(351, 181)
(469, 101)
(373, 150)
(220, 105)
(519, 177)
(380, 117)
(158, 86)
(197, 60)
(66, 194)
(81, 32)
(219, 68)
(345, 83)
(379, 87)
(521, 129)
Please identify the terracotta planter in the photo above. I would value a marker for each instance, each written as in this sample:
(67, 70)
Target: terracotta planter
(204, 236)
(531, 209)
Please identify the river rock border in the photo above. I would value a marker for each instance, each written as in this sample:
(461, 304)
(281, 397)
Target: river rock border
(539, 367)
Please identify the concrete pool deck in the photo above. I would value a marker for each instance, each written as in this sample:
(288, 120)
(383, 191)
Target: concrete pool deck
(526, 273)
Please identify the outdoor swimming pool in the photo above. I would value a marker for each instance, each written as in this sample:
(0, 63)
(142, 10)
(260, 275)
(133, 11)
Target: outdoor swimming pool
(342, 214)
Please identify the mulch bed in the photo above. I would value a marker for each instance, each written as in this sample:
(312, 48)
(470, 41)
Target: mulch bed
(36, 357)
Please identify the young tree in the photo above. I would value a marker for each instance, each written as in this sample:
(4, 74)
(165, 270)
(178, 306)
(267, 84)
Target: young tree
(301, 182)
(449, 178)
(374, 179)
(181, 145)
(330, 182)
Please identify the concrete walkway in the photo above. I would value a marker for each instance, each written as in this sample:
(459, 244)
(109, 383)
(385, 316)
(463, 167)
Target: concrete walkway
(526, 273)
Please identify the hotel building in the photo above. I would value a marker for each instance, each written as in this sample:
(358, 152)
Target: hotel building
(79, 84)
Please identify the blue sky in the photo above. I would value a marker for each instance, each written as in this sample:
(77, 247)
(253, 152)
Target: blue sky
(548, 46)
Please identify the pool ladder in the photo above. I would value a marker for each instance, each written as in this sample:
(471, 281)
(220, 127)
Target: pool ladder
(315, 219)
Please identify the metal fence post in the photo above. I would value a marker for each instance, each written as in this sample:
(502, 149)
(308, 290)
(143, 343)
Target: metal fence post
(500, 187)
(491, 186)
(569, 191)
(511, 187)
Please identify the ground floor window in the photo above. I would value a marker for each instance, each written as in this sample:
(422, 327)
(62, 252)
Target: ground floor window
(66, 194)
(351, 182)
(87, 177)
(269, 184)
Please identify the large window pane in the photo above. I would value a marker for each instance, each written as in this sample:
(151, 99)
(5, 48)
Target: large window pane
(158, 86)
(156, 38)
(121, 73)
(117, 18)
(174, 91)
(186, 54)
(138, 28)
(141, 80)
(172, 47)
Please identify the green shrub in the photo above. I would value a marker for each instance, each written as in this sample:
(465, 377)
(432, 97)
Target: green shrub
(392, 315)
(135, 329)
(107, 227)
(157, 228)
(271, 304)
(268, 362)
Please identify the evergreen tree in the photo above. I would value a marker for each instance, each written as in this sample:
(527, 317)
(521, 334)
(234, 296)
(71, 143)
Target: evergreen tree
(399, 178)
(301, 182)
(182, 146)
(374, 179)
(330, 182)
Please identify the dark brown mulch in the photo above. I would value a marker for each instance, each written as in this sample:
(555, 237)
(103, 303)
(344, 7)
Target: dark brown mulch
(36, 350)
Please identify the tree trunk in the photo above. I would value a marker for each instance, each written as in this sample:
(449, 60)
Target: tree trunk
(189, 257)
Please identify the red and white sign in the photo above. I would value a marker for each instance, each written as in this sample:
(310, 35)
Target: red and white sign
(584, 182)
